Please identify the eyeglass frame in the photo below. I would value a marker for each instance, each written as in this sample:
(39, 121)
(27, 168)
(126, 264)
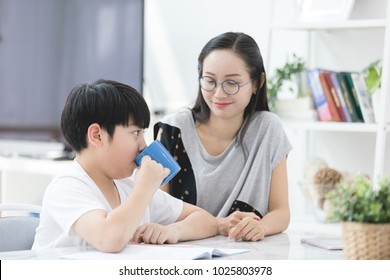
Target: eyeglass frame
(223, 88)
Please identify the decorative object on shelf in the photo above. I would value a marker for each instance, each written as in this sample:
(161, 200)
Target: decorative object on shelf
(373, 74)
(288, 80)
(363, 96)
(365, 213)
(339, 38)
(319, 180)
(317, 10)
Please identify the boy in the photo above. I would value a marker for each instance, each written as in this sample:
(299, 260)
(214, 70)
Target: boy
(97, 201)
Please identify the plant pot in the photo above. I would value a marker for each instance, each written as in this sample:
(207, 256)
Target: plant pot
(363, 241)
(297, 109)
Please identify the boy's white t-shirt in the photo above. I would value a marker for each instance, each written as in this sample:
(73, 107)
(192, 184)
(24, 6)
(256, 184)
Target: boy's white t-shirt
(74, 193)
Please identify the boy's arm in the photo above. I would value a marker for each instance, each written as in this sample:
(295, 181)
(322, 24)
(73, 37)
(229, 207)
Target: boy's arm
(194, 223)
(110, 232)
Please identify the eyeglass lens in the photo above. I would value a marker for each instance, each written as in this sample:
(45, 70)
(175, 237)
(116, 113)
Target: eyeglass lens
(228, 86)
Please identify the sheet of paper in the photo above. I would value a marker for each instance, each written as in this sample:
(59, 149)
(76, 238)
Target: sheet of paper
(324, 242)
(157, 252)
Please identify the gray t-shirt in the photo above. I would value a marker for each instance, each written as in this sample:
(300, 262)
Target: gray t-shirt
(243, 171)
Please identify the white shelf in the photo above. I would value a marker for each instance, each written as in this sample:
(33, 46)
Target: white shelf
(332, 126)
(331, 25)
(24, 180)
(35, 166)
(333, 30)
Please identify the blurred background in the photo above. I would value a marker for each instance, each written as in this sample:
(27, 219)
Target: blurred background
(49, 46)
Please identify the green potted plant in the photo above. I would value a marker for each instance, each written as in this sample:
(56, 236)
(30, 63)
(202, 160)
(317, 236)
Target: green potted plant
(365, 215)
(290, 80)
(373, 74)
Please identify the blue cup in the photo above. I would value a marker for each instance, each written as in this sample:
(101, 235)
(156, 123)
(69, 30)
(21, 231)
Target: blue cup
(159, 153)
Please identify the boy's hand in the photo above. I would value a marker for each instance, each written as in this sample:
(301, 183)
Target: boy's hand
(155, 234)
(150, 173)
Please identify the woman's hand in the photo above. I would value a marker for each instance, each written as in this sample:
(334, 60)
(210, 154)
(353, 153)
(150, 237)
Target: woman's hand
(248, 229)
(241, 225)
(155, 234)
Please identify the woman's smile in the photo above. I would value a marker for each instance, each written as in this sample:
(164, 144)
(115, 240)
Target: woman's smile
(221, 105)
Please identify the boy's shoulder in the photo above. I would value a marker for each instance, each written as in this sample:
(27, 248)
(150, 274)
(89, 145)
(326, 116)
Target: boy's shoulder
(69, 177)
(72, 170)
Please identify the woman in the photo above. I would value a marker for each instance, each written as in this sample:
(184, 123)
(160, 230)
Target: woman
(232, 150)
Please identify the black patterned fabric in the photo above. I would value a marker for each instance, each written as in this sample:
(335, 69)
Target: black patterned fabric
(183, 185)
(243, 207)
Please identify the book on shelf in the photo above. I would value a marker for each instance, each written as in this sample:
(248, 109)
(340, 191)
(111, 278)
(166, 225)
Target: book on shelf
(352, 90)
(157, 252)
(319, 98)
(333, 101)
(364, 97)
(349, 99)
(334, 84)
(337, 96)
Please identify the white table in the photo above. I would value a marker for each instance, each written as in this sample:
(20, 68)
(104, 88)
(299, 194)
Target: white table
(284, 246)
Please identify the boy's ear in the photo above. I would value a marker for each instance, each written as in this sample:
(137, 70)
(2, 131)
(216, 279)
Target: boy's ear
(94, 135)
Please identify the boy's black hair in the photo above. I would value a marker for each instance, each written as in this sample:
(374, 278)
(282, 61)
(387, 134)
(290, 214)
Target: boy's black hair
(105, 102)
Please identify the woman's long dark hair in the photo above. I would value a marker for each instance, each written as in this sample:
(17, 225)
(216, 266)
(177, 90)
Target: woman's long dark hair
(245, 47)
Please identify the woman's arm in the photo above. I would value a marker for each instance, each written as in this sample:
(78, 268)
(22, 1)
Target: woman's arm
(278, 217)
(243, 225)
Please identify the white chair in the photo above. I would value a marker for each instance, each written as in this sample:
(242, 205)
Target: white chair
(17, 232)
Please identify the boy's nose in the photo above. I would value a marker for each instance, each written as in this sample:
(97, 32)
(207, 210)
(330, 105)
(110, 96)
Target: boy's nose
(142, 145)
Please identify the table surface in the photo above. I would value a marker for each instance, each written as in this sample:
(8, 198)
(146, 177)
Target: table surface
(283, 246)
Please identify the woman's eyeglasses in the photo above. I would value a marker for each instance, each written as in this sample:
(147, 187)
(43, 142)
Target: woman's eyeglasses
(230, 87)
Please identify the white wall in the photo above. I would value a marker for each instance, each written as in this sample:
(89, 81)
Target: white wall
(176, 30)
